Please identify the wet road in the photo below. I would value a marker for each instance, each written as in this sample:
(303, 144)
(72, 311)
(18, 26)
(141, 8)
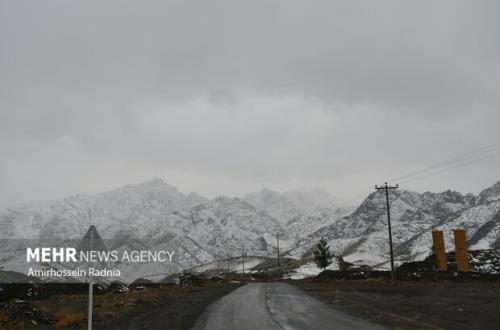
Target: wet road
(275, 306)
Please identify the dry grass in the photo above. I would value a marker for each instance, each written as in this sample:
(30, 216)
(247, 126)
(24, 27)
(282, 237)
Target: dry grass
(67, 318)
(159, 307)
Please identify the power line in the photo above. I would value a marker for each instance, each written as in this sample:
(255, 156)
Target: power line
(444, 166)
(452, 161)
(450, 168)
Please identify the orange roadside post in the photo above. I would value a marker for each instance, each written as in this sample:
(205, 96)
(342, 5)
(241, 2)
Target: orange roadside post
(439, 250)
(461, 251)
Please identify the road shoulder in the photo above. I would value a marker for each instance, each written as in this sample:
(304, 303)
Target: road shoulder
(413, 304)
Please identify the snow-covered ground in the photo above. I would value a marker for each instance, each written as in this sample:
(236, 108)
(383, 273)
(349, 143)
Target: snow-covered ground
(309, 270)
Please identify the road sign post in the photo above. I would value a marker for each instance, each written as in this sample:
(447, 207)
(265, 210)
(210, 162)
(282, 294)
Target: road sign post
(91, 285)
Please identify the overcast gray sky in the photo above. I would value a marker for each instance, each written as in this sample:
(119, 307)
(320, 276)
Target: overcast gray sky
(226, 97)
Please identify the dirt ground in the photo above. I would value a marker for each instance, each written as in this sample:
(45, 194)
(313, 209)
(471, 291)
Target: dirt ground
(465, 304)
(414, 304)
(164, 307)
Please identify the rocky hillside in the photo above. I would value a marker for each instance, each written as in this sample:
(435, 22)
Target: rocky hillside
(209, 229)
(152, 212)
(300, 211)
(362, 236)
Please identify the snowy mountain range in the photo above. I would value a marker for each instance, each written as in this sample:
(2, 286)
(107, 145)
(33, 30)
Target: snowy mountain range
(210, 229)
(362, 237)
(299, 210)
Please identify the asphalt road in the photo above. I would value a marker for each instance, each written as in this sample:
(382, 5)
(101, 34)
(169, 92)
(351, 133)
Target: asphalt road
(275, 306)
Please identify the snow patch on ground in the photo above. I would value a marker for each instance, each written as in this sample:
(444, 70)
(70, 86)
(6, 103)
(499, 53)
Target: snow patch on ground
(309, 270)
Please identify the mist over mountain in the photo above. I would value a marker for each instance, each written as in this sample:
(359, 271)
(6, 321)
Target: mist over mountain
(300, 210)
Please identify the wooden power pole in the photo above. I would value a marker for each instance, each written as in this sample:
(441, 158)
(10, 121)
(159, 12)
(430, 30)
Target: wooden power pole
(278, 246)
(386, 188)
(243, 256)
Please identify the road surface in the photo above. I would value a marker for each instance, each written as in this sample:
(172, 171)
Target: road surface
(275, 306)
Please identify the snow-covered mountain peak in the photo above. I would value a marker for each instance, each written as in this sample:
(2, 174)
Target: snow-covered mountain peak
(299, 210)
(312, 199)
(194, 199)
(489, 194)
(274, 204)
(154, 184)
(290, 204)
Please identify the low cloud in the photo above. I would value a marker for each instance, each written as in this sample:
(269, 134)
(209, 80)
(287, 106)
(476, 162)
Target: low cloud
(224, 97)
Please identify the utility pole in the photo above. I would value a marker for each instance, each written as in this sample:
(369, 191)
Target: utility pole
(387, 188)
(278, 246)
(243, 256)
(228, 263)
(220, 256)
